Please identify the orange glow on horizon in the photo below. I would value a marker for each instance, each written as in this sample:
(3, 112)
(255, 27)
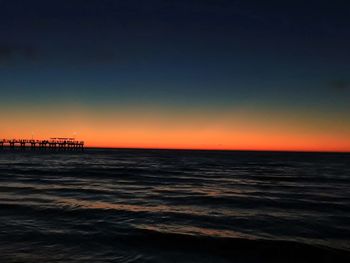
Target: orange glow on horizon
(236, 130)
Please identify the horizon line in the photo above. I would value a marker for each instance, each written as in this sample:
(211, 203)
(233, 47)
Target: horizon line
(218, 150)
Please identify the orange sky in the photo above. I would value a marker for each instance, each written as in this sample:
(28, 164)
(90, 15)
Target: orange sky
(235, 129)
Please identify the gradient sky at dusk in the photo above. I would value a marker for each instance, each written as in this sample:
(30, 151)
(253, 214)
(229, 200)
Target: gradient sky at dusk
(203, 74)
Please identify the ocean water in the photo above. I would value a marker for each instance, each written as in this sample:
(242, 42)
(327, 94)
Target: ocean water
(105, 205)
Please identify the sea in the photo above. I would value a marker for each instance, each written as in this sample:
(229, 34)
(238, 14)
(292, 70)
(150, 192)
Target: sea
(129, 205)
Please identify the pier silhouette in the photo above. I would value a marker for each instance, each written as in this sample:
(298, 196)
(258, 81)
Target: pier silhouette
(51, 144)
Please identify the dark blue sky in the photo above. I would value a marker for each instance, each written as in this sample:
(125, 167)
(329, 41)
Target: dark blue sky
(185, 53)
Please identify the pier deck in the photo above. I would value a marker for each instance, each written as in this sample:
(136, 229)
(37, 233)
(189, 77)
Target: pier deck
(52, 143)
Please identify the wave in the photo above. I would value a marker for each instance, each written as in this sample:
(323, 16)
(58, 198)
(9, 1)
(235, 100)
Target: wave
(237, 249)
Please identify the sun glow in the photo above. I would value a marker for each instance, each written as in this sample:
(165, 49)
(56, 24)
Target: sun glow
(231, 130)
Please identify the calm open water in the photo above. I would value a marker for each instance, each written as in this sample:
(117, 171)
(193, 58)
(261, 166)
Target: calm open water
(174, 206)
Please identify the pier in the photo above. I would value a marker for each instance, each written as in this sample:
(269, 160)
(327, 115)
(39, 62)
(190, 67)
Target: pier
(51, 144)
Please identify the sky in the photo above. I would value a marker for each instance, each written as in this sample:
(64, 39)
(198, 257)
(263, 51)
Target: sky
(184, 74)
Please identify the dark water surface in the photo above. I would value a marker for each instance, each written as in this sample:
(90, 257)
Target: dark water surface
(174, 206)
